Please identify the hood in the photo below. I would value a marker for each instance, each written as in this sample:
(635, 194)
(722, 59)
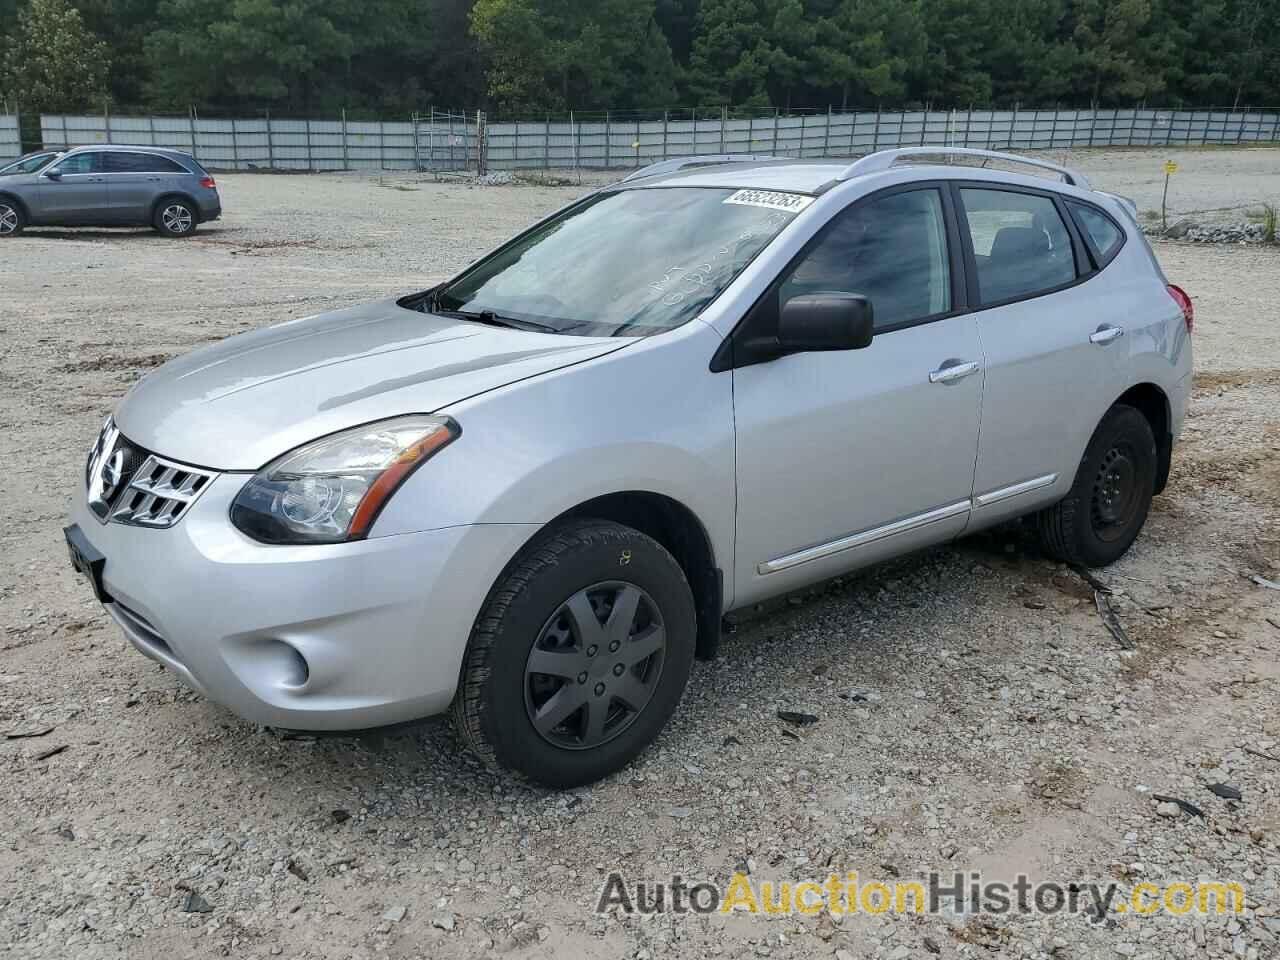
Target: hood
(240, 403)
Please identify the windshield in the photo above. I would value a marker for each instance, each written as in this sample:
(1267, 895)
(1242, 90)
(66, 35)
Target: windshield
(626, 263)
(28, 164)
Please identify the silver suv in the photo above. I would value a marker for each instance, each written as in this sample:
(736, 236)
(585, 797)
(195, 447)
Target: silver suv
(530, 494)
(111, 186)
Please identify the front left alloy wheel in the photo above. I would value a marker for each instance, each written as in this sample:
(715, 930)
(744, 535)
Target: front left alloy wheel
(12, 219)
(579, 656)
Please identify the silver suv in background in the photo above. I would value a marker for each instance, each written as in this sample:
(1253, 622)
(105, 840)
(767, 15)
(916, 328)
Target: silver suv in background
(112, 186)
(530, 493)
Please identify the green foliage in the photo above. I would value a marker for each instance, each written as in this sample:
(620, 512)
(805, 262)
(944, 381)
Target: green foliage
(554, 55)
(51, 60)
(387, 57)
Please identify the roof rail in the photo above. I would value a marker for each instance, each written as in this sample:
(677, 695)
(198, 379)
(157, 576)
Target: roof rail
(704, 160)
(884, 159)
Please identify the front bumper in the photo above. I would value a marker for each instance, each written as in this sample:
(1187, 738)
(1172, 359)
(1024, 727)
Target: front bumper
(318, 637)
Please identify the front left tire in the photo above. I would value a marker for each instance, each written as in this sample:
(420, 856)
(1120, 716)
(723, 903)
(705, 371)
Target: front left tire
(12, 218)
(579, 656)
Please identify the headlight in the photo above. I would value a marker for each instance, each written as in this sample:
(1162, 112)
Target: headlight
(332, 489)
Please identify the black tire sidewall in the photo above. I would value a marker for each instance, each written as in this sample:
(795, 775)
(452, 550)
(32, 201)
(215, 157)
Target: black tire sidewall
(504, 720)
(1122, 424)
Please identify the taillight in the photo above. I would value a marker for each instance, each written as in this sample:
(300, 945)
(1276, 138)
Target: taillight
(209, 183)
(1188, 308)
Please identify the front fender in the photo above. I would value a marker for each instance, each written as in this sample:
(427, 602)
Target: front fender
(649, 418)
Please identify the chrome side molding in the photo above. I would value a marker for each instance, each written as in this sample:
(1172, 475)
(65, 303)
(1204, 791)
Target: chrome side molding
(865, 537)
(1004, 493)
(851, 541)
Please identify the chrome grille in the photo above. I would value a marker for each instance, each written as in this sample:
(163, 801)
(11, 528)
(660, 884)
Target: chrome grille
(128, 484)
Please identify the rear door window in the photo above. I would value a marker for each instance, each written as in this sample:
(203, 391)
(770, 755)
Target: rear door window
(125, 162)
(1020, 244)
(1104, 236)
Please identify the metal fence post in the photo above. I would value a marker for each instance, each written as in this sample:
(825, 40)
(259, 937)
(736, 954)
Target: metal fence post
(195, 147)
(803, 118)
(826, 137)
(546, 143)
(608, 141)
(1013, 126)
(875, 136)
(724, 118)
(271, 150)
(573, 138)
(346, 159)
(235, 146)
(665, 121)
(1275, 127)
(310, 167)
(1093, 119)
(151, 125)
(773, 150)
(751, 134)
(106, 118)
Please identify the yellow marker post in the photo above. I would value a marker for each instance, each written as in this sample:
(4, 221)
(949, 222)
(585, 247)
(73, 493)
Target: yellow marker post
(1170, 168)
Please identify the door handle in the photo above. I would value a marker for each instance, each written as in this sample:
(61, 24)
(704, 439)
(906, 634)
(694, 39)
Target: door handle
(953, 372)
(1105, 334)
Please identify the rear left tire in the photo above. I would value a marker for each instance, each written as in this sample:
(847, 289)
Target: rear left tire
(1106, 508)
(175, 218)
(579, 656)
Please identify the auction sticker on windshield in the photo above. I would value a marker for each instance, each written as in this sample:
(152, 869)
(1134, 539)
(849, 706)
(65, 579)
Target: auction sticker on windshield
(773, 200)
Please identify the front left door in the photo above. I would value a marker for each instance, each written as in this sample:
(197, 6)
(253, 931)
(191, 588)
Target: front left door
(847, 457)
(78, 194)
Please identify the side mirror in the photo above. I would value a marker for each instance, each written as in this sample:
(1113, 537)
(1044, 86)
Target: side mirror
(53, 174)
(825, 321)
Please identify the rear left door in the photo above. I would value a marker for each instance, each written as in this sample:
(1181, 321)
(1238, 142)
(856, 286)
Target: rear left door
(136, 180)
(1049, 340)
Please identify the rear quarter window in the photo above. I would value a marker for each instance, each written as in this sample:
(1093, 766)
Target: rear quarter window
(1104, 236)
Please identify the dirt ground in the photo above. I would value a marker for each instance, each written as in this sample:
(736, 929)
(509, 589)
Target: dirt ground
(974, 713)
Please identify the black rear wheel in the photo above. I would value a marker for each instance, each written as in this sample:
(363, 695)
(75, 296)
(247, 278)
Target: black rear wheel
(1107, 505)
(579, 656)
(176, 217)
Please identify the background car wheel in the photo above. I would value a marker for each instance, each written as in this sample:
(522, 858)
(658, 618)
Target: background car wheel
(12, 219)
(176, 218)
(579, 656)
(1107, 506)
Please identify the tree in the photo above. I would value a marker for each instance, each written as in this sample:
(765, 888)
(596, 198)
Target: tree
(865, 50)
(51, 62)
(731, 54)
(256, 52)
(560, 54)
(1114, 49)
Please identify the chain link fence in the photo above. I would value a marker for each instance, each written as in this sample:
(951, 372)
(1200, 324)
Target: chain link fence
(434, 141)
(450, 141)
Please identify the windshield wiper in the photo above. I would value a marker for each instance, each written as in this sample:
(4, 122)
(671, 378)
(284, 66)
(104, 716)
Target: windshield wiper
(498, 320)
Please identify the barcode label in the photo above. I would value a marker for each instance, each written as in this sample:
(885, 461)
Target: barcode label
(773, 200)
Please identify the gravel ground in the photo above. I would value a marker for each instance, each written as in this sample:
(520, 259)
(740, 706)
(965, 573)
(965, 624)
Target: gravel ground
(974, 714)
